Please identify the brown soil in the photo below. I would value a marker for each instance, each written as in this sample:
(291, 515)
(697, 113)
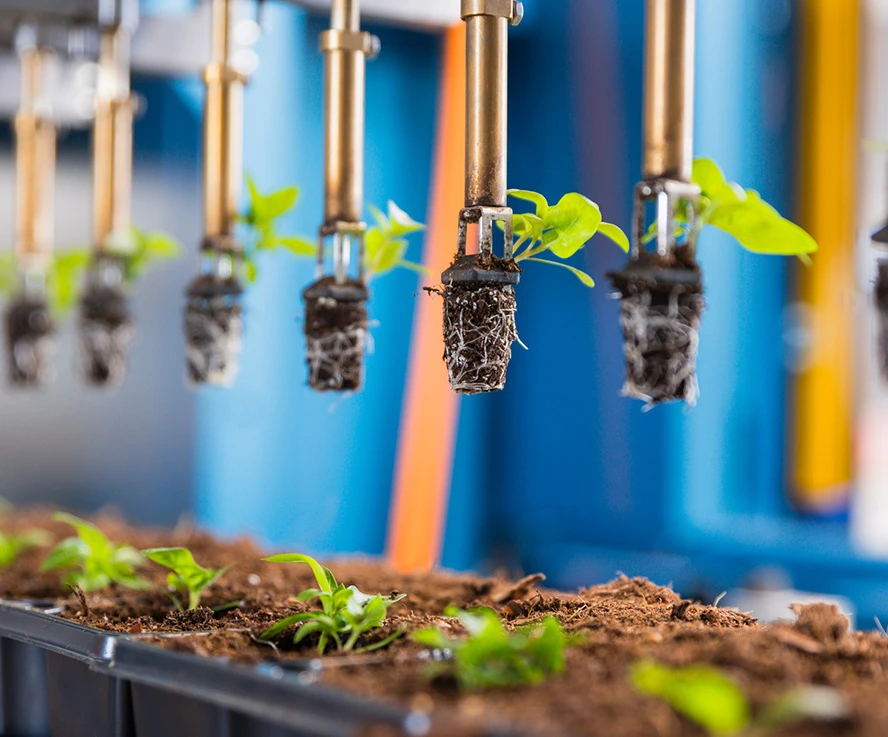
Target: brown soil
(106, 333)
(619, 622)
(29, 341)
(335, 333)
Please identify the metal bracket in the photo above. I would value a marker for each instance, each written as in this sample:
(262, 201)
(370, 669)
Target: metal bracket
(360, 41)
(511, 10)
(671, 196)
(344, 235)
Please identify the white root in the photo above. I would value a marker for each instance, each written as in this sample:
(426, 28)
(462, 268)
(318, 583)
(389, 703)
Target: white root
(335, 357)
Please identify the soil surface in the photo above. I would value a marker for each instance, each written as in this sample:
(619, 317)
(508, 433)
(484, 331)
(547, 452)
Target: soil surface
(661, 306)
(618, 623)
(335, 334)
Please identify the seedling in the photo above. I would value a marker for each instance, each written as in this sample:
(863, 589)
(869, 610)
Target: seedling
(479, 313)
(12, 545)
(186, 575)
(662, 290)
(713, 700)
(346, 614)
(336, 319)
(491, 657)
(97, 562)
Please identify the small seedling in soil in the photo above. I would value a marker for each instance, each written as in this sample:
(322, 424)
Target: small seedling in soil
(186, 575)
(491, 657)
(336, 318)
(12, 545)
(346, 614)
(479, 314)
(662, 293)
(97, 561)
(713, 700)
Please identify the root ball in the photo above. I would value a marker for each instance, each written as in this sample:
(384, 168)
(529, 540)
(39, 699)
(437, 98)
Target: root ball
(29, 339)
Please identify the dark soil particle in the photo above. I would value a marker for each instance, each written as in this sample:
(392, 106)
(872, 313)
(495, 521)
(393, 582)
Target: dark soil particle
(619, 623)
(661, 306)
(336, 336)
(106, 333)
(29, 341)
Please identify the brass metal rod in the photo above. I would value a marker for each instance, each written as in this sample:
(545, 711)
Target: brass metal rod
(669, 90)
(486, 109)
(223, 129)
(344, 99)
(112, 139)
(35, 148)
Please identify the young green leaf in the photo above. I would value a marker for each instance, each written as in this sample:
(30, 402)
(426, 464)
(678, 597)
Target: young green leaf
(401, 223)
(743, 214)
(491, 657)
(581, 275)
(542, 207)
(186, 574)
(64, 278)
(97, 561)
(13, 545)
(574, 220)
(346, 614)
(703, 694)
(299, 246)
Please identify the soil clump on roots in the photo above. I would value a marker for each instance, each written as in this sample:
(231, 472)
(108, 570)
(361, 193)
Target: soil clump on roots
(213, 331)
(479, 329)
(880, 297)
(660, 310)
(335, 334)
(30, 345)
(106, 334)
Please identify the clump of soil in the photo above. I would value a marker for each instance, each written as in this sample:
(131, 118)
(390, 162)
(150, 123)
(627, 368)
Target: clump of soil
(336, 324)
(213, 330)
(30, 345)
(660, 310)
(880, 296)
(479, 328)
(106, 334)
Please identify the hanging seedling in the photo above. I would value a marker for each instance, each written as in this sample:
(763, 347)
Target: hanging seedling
(106, 328)
(186, 575)
(336, 317)
(478, 289)
(346, 614)
(661, 290)
(93, 562)
(489, 656)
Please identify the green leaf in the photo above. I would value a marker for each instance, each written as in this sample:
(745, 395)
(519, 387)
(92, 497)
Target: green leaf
(299, 246)
(64, 279)
(759, 228)
(581, 275)
(401, 223)
(268, 207)
(279, 627)
(542, 207)
(251, 271)
(161, 245)
(66, 554)
(380, 217)
(322, 575)
(707, 175)
(388, 257)
(87, 532)
(616, 234)
(528, 226)
(574, 220)
(701, 693)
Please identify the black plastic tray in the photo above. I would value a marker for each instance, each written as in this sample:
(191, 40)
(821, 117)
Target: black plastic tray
(49, 680)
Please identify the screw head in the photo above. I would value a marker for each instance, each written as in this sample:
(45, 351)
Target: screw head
(517, 13)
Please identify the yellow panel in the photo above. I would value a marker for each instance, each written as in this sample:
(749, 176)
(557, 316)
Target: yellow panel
(824, 397)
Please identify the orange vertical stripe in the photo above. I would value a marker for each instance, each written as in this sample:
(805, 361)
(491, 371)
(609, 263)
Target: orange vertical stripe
(429, 419)
(824, 399)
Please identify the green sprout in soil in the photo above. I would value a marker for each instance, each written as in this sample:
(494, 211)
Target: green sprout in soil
(346, 613)
(186, 575)
(13, 545)
(560, 230)
(714, 701)
(492, 657)
(97, 561)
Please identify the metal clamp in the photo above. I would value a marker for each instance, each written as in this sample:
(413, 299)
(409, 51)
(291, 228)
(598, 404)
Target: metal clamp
(511, 10)
(365, 43)
(485, 217)
(344, 235)
(671, 196)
